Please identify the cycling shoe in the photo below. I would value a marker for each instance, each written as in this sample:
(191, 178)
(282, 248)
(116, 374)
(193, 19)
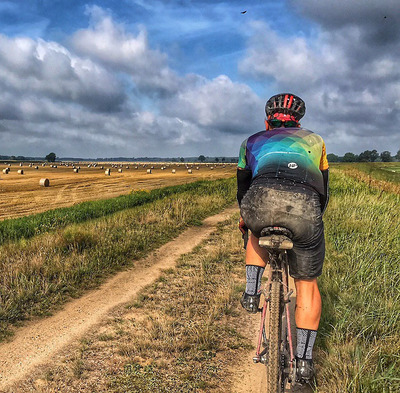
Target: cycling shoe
(250, 302)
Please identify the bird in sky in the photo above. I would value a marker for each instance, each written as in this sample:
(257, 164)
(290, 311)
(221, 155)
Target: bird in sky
(243, 12)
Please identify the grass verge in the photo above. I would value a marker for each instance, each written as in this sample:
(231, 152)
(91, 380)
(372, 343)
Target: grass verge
(379, 175)
(40, 273)
(181, 335)
(27, 227)
(359, 339)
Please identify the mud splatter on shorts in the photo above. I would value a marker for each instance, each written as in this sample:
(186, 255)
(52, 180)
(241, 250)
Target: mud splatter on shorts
(295, 207)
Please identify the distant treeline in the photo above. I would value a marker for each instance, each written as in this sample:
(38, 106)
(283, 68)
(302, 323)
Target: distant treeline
(365, 156)
(200, 158)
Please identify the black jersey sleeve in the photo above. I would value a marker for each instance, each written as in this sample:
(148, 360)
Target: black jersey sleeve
(244, 177)
(324, 198)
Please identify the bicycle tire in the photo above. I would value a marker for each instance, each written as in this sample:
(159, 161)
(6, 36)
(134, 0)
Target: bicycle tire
(273, 364)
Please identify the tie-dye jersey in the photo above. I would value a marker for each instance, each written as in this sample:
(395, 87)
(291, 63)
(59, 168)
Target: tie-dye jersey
(289, 153)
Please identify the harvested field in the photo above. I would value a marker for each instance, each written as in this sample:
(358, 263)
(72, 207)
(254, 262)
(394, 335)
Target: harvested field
(22, 195)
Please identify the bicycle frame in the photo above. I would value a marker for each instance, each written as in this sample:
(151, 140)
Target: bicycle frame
(278, 272)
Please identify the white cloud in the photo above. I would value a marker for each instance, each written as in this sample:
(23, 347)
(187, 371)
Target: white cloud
(40, 70)
(109, 43)
(219, 104)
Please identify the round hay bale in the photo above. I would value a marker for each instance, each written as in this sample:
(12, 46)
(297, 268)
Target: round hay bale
(76, 170)
(173, 171)
(120, 170)
(189, 171)
(149, 171)
(43, 164)
(107, 172)
(5, 171)
(44, 182)
(20, 171)
(211, 167)
(136, 167)
(102, 167)
(20, 164)
(36, 167)
(127, 167)
(197, 168)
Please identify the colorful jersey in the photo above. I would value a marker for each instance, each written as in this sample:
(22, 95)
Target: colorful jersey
(297, 154)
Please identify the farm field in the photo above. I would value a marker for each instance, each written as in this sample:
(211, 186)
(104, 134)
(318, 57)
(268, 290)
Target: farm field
(21, 195)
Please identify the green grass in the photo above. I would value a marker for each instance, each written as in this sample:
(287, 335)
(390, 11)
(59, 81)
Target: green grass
(40, 273)
(185, 337)
(29, 226)
(386, 171)
(359, 341)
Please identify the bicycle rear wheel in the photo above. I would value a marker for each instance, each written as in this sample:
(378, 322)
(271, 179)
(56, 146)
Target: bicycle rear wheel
(273, 365)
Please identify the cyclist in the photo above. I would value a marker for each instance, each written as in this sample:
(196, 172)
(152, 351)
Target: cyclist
(282, 180)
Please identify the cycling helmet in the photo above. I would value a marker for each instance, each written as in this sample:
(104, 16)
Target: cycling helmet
(286, 103)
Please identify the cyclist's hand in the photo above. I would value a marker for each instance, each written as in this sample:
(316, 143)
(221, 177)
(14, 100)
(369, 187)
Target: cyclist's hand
(242, 226)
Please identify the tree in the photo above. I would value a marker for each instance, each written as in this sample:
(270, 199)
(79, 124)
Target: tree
(216, 159)
(350, 157)
(182, 159)
(333, 157)
(374, 155)
(51, 157)
(202, 158)
(368, 156)
(397, 156)
(386, 156)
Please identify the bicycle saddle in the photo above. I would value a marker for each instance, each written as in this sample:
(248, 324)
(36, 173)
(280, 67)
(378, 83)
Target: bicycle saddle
(277, 238)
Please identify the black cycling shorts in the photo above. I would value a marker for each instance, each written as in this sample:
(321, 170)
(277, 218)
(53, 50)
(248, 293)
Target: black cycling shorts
(273, 202)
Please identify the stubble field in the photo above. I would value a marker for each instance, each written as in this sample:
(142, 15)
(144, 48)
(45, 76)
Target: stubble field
(21, 194)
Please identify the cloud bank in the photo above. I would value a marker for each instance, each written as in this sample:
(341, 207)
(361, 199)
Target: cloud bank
(111, 89)
(110, 93)
(347, 71)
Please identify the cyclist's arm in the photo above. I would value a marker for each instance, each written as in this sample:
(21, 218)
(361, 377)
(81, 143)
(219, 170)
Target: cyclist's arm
(324, 168)
(244, 174)
(243, 183)
(324, 199)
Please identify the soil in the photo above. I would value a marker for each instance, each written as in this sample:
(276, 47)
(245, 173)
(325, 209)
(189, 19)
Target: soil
(21, 195)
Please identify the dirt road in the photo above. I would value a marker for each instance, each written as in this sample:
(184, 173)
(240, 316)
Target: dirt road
(250, 377)
(36, 343)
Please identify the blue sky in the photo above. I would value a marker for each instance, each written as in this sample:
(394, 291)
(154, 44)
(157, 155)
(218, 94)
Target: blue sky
(179, 78)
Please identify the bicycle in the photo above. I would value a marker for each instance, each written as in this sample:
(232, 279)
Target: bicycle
(276, 333)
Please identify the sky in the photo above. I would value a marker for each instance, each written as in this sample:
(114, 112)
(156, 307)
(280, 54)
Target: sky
(171, 78)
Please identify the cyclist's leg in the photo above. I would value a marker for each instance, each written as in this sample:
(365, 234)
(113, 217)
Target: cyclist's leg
(307, 315)
(308, 304)
(256, 258)
(255, 255)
